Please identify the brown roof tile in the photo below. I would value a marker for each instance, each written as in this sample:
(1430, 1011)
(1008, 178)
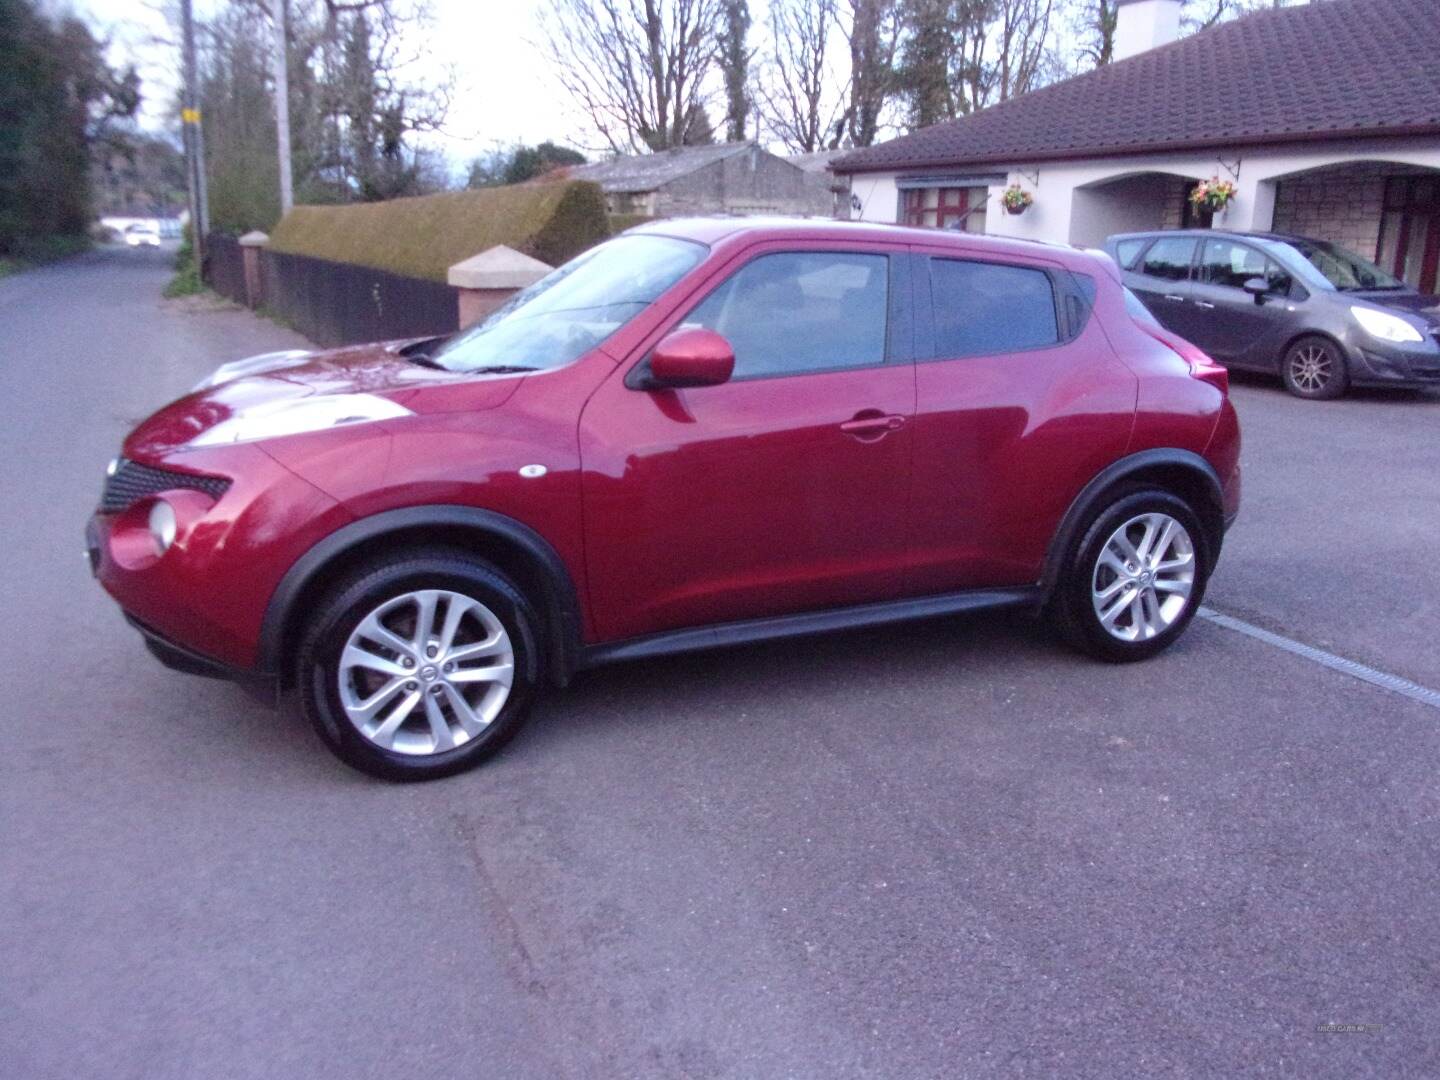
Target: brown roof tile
(1334, 68)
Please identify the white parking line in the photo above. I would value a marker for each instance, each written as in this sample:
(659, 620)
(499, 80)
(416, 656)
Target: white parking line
(1383, 679)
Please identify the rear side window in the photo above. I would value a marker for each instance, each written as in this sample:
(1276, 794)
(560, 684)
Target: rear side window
(1126, 251)
(1169, 258)
(983, 307)
(794, 312)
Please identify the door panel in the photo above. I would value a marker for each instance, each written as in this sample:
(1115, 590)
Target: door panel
(1162, 280)
(765, 495)
(1228, 323)
(1004, 440)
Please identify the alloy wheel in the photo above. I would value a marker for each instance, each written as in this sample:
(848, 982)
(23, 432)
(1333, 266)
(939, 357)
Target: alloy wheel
(1311, 368)
(1143, 577)
(426, 672)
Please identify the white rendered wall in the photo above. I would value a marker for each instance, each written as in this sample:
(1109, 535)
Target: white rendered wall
(1075, 205)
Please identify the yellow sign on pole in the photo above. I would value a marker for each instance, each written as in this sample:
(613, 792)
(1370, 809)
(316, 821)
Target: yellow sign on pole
(190, 116)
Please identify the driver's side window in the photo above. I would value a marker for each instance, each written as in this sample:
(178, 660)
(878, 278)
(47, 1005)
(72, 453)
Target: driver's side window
(801, 311)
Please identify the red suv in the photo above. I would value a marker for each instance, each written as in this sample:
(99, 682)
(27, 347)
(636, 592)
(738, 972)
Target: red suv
(696, 434)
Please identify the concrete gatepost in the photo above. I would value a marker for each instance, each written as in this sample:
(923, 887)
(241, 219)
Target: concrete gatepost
(487, 280)
(251, 244)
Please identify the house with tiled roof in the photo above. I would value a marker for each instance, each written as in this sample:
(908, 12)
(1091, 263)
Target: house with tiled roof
(1325, 118)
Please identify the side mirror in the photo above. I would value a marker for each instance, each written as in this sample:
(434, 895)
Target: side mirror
(692, 357)
(1257, 287)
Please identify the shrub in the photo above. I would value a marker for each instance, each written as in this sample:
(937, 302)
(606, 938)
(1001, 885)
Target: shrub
(423, 236)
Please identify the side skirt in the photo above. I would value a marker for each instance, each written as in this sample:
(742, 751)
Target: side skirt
(811, 622)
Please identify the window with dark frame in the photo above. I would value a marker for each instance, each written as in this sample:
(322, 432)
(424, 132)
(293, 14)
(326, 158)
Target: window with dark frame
(960, 208)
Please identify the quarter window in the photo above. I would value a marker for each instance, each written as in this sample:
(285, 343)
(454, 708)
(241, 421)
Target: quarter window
(794, 312)
(985, 307)
(1169, 258)
(1127, 250)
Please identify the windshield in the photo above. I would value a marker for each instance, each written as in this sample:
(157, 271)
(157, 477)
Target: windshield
(574, 308)
(1345, 270)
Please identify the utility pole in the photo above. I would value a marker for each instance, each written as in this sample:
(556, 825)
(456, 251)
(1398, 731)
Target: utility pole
(194, 144)
(282, 106)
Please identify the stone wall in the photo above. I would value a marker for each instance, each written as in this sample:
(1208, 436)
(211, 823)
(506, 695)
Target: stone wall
(1340, 205)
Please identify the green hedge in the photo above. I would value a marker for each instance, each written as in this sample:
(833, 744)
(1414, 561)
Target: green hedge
(424, 236)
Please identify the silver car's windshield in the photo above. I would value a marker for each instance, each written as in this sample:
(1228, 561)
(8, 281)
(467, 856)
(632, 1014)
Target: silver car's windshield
(572, 309)
(1343, 269)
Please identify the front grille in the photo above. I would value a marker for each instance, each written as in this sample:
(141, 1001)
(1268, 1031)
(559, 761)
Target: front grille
(133, 482)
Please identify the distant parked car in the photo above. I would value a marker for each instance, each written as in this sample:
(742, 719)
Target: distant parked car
(697, 434)
(1317, 315)
(142, 235)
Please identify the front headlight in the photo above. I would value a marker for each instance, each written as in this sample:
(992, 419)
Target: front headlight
(295, 417)
(162, 525)
(1386, 327)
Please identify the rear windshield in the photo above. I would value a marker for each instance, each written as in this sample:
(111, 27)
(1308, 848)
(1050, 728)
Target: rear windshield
(573, 308)
(1138, 311)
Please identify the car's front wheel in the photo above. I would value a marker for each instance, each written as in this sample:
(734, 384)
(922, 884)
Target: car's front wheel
(1135, 578)
(420, 666)
(1314, 368)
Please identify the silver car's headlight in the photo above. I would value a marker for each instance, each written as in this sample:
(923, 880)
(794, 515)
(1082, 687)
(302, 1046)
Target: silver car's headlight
(294, 417)
(1386, 327)
(253, 365)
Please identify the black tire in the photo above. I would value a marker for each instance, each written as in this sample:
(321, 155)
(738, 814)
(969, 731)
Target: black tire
(1314, 369)
(318, 672)
(1072, 605)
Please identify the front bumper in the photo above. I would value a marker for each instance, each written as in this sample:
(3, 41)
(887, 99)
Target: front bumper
(1401, 366)
(201, 603)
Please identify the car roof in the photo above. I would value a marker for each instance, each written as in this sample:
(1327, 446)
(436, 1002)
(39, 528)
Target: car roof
(1278, 237)
(712, 230)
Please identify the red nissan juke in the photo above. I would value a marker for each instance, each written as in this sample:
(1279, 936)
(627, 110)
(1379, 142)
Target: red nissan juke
(696, 434)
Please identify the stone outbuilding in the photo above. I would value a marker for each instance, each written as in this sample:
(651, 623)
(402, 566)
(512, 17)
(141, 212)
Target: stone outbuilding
(728, 178)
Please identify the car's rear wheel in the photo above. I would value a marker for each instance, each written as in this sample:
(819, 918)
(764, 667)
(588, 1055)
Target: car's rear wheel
(1314, 368)
(1135, 578)
(420, 666)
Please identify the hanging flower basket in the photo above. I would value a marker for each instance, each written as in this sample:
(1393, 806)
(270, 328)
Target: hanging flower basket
(1016, 199)
(1212, 195)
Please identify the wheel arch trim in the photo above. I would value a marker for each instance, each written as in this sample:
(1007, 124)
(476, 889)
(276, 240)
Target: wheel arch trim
(1084, 506)
(561, 606)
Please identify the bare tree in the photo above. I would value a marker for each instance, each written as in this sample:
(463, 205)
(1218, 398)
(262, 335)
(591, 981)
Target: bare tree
(1022, 34)
(799, 94)
(637, 68)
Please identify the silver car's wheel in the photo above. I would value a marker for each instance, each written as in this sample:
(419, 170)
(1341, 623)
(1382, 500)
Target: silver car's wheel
(1143, 577)
(426, 672)
(1311, 367)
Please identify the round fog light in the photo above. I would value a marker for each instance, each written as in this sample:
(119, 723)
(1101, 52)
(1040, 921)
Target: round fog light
(162, 524)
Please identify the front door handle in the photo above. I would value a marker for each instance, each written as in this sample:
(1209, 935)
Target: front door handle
(870, 424)
(1202, 303)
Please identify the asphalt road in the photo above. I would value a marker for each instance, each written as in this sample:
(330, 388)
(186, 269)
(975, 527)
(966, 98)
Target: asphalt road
(947, 850)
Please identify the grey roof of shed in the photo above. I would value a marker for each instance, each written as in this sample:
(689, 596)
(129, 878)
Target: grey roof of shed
(646, 172)
(1334, 70)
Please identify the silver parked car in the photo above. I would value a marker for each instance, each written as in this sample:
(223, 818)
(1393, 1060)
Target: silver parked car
(1317, 315)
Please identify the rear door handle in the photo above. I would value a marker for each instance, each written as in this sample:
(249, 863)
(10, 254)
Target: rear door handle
(1177, 299)
(871, 424)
